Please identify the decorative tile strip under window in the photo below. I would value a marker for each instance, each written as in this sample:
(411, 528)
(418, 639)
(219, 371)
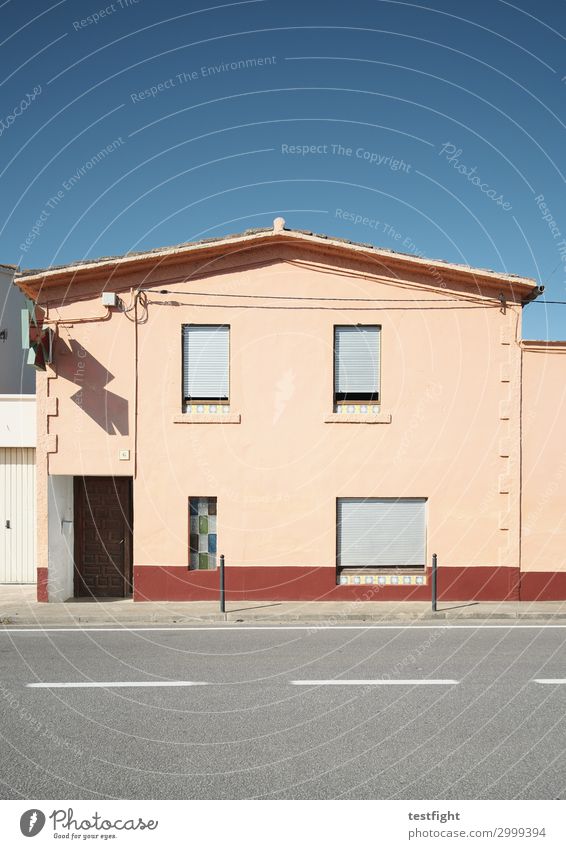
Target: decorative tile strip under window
(208, 409)
(383, 580)
(363, 409)
(202, 533)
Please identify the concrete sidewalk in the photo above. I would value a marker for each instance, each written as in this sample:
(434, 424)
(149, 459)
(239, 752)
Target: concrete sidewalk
(18, 607)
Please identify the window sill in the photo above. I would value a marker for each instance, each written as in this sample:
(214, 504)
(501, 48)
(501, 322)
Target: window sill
(358, 418)
(208, 418)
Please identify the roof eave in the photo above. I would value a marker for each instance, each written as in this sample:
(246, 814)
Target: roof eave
(31, 283)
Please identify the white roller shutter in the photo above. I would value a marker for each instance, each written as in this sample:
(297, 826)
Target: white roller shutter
(357, 358)
(17, 516)
(381, 532)
(206, 361)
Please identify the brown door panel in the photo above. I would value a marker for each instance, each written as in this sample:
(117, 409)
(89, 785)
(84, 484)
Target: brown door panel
(103, 536)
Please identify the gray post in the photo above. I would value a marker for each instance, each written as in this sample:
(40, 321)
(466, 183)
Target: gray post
(434, 582)
(222, 586)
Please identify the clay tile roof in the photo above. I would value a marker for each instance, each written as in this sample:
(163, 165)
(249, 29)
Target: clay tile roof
(27, 278)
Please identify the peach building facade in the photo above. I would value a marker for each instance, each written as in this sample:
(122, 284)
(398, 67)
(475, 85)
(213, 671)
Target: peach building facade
(311, 488)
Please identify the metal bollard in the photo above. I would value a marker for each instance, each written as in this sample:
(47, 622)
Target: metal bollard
(222, 586)
(434, 582)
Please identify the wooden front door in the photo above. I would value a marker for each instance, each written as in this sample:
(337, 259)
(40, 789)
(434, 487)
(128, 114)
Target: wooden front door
(103, 536)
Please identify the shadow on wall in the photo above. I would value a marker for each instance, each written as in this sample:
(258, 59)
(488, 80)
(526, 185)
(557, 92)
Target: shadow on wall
(108, 410)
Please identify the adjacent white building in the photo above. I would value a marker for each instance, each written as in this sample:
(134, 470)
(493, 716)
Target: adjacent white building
(17, 442)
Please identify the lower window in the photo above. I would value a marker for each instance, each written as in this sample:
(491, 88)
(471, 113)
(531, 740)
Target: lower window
(381, 532)
(202, 532)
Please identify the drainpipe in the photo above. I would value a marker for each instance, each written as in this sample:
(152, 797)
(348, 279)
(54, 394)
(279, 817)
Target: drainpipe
(538, 290)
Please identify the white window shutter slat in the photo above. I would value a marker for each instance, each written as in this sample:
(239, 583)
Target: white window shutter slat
(381, 532)
(206, 361)
(357, 354)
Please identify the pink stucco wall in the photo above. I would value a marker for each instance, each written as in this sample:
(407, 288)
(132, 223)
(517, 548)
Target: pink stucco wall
(544, 460)
(450, 383)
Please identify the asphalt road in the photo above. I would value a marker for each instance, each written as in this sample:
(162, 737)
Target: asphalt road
(264, 716)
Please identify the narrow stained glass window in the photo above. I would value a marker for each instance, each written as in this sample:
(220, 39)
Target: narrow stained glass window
(202, 532)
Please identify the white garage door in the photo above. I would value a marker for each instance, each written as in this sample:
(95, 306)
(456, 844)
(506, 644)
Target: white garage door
(17, 516)
(381, 532)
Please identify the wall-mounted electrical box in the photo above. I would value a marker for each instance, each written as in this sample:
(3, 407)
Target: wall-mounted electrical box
(110, 299)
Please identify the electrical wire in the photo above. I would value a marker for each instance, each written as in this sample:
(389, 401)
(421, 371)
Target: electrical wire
(306, 298)
(313, 307)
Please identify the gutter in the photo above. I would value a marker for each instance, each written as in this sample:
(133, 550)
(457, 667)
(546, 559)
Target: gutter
(532, 296)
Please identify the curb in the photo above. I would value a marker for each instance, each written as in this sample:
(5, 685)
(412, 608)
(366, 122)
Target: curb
(241, 618)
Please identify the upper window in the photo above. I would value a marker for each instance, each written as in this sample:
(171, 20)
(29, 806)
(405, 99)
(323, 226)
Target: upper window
(357, 355)
(206, 363)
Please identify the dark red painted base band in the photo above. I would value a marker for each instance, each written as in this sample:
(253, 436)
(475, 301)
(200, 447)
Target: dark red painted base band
(543, 586)
(261, 583)
(289, 583)
(42, 583)
(478, 583)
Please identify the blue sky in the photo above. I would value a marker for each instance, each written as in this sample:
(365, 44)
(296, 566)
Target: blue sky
(128, 125)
